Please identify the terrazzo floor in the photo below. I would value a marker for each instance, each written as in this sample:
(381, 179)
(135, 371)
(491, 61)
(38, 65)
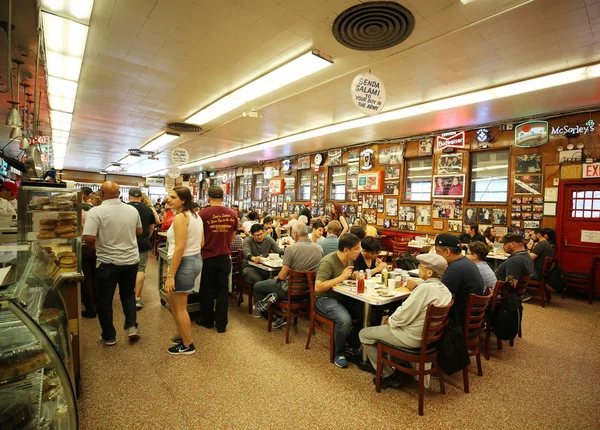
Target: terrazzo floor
(248, 378)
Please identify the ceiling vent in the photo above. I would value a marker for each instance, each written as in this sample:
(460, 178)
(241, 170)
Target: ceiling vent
(373, 26)
(183, 127)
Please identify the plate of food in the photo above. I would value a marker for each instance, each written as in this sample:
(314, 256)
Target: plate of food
(349, 283)
(385, 293)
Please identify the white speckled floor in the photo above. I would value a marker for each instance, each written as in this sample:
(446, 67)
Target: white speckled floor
(248, 378)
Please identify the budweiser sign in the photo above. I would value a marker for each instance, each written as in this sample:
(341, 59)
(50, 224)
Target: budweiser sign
(452, 139)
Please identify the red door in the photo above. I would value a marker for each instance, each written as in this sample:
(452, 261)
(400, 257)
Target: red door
(578, 225)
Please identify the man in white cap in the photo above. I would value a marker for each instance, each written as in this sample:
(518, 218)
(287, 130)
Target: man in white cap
(404, 328)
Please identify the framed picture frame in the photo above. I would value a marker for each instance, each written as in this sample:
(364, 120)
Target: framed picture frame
(450, 163)
(484, 215)
(447, 208)
(499, 216)
(391, 188)
(425, 147)
(392, 172)
(304, 162)
(334, 157)
(438, 225)
(276, 186)
(391, 155)
(531, 224)
(448, 186)
(528, 163)
(423, 215)
(455, 226)
(391, 207)
(370, 182)
(470, 215)
(528, 184)
(406, 213)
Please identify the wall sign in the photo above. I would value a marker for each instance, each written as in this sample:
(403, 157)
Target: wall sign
(286, 167)
(366, 159)
(483, 134)
(180, 155)
(531, 134)
(591, 236)
(276, 186)
(319, 159)
(591, 170)
(173, 172)
(368, 93)
(577, 129)
(451, 139)
(370, 182)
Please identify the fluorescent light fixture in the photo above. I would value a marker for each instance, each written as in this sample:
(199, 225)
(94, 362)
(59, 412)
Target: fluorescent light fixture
(60, 139)
(59, 163)
(63, 66)
(299, 68)
(129, 160)
(64, 36)
(78, 10)
(415, 169)
(528, 85)
(61, 103)
(60, 134)
(466, 1)
(160, 141)
(62, 88)
(157, 173)
(112, 168)
(61, 120)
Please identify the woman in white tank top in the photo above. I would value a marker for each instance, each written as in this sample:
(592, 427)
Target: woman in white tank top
(185, 238)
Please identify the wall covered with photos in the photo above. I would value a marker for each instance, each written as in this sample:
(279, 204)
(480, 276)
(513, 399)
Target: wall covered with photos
(428, 185)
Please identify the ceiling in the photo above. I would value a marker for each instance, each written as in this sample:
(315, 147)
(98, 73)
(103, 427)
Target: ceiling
(149, 62)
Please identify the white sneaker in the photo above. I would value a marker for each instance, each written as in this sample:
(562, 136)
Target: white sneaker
(139, 304)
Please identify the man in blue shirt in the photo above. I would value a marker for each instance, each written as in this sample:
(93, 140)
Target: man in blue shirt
(330, 243)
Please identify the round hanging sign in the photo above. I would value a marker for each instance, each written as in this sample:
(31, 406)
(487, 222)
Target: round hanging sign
(173, 172)
(180, 155)
(368, 93)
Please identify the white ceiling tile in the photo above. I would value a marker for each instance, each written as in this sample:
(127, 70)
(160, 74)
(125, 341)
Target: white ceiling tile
(301, 8)
(447, 19)
(559, 8)
(427, 8)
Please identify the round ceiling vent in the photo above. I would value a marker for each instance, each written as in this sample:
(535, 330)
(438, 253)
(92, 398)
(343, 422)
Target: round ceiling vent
(373, 26)
(183, 127)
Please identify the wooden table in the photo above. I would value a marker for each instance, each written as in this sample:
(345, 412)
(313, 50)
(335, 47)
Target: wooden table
(497, 259)
(270, 269)
(370, 300)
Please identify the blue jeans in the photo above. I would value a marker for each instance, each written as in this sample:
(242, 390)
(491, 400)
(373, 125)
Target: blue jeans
(341, 312)
(263, 288)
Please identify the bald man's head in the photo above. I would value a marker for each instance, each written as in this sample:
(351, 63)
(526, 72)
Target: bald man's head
(109, 190)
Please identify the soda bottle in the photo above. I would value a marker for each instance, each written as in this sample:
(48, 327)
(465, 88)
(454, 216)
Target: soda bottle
(360, 283)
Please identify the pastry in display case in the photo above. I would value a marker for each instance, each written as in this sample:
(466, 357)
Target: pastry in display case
(36, 358)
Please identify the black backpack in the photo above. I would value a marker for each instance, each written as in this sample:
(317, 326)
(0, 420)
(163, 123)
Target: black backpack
(407, 261)
(507, 318)
(556, 279)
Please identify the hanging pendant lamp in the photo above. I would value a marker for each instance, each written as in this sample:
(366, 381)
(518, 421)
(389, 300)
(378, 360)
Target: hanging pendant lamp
(13, 119)
(15, 133)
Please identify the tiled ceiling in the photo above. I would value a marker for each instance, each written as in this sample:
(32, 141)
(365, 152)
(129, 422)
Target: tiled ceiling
(149, 62)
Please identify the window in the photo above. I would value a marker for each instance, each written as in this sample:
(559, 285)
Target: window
(258, 187)
(489, 176)
(304, 188)
(338, 183)
(585, 204)
(418, 179)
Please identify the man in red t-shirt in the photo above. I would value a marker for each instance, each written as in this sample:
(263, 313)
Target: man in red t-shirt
(220, 226)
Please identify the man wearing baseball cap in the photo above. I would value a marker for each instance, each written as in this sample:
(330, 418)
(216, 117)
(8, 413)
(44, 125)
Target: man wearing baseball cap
(519, 263)
(462, 276)
(306, 211)
(220, 226)
(404, 328)
(9, 192)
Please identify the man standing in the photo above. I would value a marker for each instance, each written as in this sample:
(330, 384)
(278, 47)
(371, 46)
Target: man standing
(9, 192)
(86, 192)
(255, 246)
(519, 263)
(303, 255)
(144, 245)
(462, 276)
(113, 228)
(220, 226)
(306, 211)
(334, 270)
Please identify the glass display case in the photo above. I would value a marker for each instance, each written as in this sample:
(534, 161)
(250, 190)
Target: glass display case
(36, 356)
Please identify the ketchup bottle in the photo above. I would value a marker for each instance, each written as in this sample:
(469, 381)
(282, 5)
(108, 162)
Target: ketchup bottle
(360, 283)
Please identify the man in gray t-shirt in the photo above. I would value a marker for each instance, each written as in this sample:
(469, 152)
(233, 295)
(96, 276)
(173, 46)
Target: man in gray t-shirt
(540, 251)
(304, 255)
(112, 228)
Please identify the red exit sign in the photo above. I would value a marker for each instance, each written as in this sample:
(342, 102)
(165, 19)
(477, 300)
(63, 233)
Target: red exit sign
(591, 170)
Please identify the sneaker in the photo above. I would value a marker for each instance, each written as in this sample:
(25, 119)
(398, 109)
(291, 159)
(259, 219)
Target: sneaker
(392, 381)
(176, 340)
(340, 361)
(109, 342)
(88, 314)
(366, 367)
(526, 296)
(133, 333)
(263, 305)
(256, 313)
(180, 349)
(139, 304)
(279, 322)
(357, 351)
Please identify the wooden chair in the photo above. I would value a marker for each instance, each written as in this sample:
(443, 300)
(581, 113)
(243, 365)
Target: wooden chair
(244, 288)
(398, 248)
(236, 270)
(319, 322)
(297, 303)
(474, 315)
(433, 329)
(498, 293)
(540, 285)
(581, 280)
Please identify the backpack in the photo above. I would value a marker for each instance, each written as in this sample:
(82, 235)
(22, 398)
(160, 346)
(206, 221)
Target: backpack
(407, 261)
(556, 279)
(507, 317)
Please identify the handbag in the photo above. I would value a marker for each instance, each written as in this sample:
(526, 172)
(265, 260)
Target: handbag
(453, 353)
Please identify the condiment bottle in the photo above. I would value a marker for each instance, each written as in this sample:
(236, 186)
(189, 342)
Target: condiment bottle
(360, 283)
(384, 276)
(368, 274)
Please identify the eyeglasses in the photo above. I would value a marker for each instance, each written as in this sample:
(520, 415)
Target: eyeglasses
(257, 235)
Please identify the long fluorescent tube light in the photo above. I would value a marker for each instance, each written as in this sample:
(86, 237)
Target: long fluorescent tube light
(61, 120)
(77, 10)
(528, 85)
(129, 160)
(112, 168)
(64, 35)
(299, 68)
(62, 88)
(63, 66)
(160, 141)
(61, 103)
(157, 173)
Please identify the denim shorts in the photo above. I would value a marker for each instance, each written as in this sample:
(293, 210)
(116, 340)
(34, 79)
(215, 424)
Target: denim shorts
(189, 269)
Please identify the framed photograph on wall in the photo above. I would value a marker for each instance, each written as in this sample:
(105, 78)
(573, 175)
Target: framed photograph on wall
(406, 213)
(528, 184)
(471, 215)
(438, 225)
(484, 215)
(499, 216)
(391, 207)
(276, 186)
(334, 157)
(391, 188)
(448, 186)
(370, 182)
(304, 162)
(447, 208)
(528, 163)
(423, 214)
(449, 163)
(455, 226)
(353, 155)
(392, 172)
(391, 155)
(425, 147)
(531, 224)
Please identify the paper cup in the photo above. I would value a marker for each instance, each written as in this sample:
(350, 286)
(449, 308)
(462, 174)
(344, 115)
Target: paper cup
(370, 286)
(392, 284)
